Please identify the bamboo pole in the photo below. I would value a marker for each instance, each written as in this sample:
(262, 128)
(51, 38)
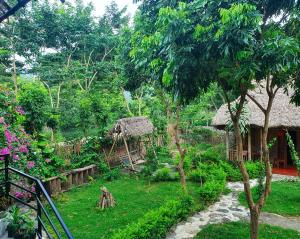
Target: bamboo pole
(128, 153)
(249, 144)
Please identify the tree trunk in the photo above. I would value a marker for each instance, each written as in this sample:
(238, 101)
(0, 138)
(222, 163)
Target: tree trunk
(181, 153)
(254, 224)
(14, 76)
(58, 96)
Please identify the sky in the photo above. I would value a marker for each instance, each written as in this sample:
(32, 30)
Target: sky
(100, 5)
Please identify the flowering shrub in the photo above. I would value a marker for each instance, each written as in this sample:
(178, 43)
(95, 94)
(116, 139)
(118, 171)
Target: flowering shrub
(34, 157)
(13, 138)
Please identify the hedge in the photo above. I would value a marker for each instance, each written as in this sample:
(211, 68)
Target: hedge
(155, 224)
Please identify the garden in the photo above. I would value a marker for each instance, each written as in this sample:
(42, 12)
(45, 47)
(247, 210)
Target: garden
(165, 124)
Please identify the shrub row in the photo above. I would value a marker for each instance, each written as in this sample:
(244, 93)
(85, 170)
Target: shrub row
(155, 224)
(233, 173)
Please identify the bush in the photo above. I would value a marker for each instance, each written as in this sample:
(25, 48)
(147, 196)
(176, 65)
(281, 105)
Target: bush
(155, 224)
(212, 190)
(154, 159)
(198, 175)
(35, 101)
(187, 164)
(165, 174)
(112, 174)
(254, 169)
(206, 172)
(214, 154)
(234, 174)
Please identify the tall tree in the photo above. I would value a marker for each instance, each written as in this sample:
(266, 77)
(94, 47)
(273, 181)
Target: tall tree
(235, 43)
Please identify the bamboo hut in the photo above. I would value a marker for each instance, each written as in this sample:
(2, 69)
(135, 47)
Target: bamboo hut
(129, 136)
(285, 116)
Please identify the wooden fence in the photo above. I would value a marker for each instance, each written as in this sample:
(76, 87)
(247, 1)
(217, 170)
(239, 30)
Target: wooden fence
(70, 179)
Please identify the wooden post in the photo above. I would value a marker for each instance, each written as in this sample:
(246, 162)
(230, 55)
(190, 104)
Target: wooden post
(227, 144)
(128, 153)
(112, 147)
(249, 144)
(151, 141)
(260, 138)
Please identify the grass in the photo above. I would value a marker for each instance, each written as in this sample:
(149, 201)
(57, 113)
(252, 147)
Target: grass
(134, 198)
(240, 230)
(283, 200)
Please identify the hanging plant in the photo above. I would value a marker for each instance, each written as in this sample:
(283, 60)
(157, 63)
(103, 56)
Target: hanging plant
(243, 122)
(294, 153)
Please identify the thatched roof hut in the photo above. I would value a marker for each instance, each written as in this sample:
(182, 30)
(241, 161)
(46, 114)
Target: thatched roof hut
(284, 116)
(128, 130)
(284, 113)
(132, 127)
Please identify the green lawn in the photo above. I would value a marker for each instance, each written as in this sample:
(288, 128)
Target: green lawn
(240, 230)
(284, 198)
(134, 198)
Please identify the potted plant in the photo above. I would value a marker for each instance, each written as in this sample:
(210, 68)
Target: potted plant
(13, 219)
(28, 230)
(25, 228)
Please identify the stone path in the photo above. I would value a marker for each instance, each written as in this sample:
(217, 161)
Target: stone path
(228, 209)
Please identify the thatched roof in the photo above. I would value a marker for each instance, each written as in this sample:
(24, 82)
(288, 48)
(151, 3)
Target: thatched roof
(284, 114)
(132, 127)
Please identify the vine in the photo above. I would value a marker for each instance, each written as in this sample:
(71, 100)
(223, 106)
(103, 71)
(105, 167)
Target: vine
(294, 153)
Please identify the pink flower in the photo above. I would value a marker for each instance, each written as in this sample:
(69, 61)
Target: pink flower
(2, 121)
(19, 195)
(8, 136)
(30, 164)
(4, 151)
(23, 149)
(16, 157)
(32, 188)
(48, 160)
(20, 110)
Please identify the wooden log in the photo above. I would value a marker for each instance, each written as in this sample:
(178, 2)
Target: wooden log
(106, 199)
(69, 181)
(85, 176)
(74, 178)
(80, 177)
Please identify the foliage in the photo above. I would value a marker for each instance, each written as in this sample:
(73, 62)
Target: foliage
(254, 170)
(284, 199)
(34, 99)
(134, 199)
(20, 224)
(89, 154)
(112, 174)
(239, 230)
(41, 161)
(187, 164)
(212, 190)
(206, 172)
(243, 121)
(156, 224)
(13, 138)
(293, 151)
(165, 174)
(214, 154)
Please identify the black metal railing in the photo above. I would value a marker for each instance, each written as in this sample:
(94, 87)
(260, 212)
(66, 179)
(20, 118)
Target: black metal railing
(40, 195)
